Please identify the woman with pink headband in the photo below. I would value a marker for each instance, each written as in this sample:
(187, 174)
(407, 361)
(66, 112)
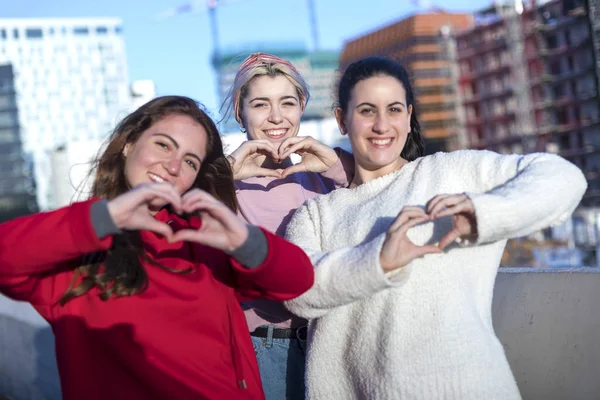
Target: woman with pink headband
(267, 99)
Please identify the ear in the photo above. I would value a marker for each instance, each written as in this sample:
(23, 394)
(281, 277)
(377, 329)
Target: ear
(339, 116)
(126, 149)
(410, 110)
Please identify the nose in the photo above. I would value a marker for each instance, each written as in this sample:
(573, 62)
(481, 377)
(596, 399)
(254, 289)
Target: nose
(382, 124)
(172, 165)
(275, 115)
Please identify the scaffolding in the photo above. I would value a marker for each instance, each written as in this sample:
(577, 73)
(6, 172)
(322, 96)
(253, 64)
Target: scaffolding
(511, 12)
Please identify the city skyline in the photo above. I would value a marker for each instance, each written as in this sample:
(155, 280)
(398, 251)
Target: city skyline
(168, 52)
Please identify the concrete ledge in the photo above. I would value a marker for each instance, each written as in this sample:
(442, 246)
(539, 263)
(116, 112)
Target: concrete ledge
(547, 319)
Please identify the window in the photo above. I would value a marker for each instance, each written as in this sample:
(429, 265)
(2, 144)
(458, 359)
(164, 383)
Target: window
(81, 31)
(101, 30)
(33, 33)
(119, 30)
(2, 33)
(15, 33)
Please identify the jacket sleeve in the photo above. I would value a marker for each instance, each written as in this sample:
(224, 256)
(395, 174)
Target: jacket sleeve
(285, 274)
(525, 194)
(35, 246)
(342, 276)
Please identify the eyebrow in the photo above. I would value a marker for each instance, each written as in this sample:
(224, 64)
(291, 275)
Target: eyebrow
(267, 99)
(177, 145)
(389, 105)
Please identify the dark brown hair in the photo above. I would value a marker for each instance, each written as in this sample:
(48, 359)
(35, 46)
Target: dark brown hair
(122, 272)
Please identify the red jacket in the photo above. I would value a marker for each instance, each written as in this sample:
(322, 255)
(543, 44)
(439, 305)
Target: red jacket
(185, 337)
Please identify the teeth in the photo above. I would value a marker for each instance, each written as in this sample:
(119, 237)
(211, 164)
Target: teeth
(381, 141)
(276, 132)
(156, 178)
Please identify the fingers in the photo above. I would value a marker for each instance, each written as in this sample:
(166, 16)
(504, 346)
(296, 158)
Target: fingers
(439, 202)
(405, 214)
(255, 146)
(198, 200)
(164, 191)
(293, 144)
(462, 207)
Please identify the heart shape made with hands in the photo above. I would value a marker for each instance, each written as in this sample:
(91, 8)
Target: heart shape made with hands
(316, 157)
(221, 228)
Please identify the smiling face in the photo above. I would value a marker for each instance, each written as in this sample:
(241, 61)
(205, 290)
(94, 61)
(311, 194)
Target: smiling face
(378, 123)
(271, 109)
(171, 150)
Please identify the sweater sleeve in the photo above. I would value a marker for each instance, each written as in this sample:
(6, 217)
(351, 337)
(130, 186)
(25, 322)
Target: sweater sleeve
(528, 193)
(342, 172)
(342, 276)
(31, 247)
(285, 273)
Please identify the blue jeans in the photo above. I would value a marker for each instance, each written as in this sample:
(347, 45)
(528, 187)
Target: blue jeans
(281, 365)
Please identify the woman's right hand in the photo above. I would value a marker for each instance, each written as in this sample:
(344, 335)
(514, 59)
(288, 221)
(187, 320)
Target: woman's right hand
(132, 210)
(398, 250)
(244, 161)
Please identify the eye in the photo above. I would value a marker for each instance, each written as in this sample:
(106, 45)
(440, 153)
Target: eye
(367, 111)
(259, 105)
(289, 103)
(396, 110)
(192, 164)
(163, 145)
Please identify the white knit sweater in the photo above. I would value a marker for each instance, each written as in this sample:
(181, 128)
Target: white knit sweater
(425, 331)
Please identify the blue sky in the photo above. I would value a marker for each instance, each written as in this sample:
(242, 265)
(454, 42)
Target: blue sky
(176, 52)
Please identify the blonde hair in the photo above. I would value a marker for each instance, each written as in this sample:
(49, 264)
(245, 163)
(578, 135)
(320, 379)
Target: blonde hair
(262, 64)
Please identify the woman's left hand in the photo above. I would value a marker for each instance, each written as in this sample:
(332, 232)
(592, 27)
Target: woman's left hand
(221, 228)
(316, 157)
(461, 208)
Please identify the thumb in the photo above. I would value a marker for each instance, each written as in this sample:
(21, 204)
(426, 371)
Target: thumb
(424, 250)
(269, 172)
(159, 227)
(293, 169)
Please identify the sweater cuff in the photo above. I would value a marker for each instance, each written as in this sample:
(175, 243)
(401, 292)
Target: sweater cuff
(102, 222)
(253, 252)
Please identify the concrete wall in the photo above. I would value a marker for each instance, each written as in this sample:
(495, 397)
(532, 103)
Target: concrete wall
(548, 321)
(549, 324)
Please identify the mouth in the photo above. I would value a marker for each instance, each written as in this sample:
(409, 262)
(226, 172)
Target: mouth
(275, 133)
(381, 143)
(156, 178)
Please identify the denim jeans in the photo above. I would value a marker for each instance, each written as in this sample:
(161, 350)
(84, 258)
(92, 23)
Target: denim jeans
(281, 364)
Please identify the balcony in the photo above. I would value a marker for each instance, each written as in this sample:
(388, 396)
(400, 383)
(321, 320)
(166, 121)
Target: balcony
(546, 319)
(541, 79)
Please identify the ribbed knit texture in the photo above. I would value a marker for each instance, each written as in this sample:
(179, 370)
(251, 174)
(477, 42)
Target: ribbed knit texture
(424, 331)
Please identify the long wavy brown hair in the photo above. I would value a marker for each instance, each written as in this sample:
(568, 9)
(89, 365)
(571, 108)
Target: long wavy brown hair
(119, 271)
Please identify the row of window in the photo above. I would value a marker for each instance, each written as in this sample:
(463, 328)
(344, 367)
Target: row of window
(38, 33)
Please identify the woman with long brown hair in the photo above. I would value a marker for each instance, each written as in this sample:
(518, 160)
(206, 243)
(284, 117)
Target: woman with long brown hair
(141, 283)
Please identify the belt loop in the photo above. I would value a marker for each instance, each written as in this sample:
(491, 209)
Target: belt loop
(269, 342)
(302, 336)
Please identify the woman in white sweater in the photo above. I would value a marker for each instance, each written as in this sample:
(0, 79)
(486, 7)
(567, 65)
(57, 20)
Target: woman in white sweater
(406, 257)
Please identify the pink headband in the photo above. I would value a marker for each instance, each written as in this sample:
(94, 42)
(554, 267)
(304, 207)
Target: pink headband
(260, 59)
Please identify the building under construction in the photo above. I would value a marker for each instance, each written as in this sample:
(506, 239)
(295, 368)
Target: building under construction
(415, 43)
(528, 81)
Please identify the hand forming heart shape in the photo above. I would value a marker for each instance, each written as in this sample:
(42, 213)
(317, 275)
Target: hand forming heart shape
(247, 161)
(221, 228)
(398, 250)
